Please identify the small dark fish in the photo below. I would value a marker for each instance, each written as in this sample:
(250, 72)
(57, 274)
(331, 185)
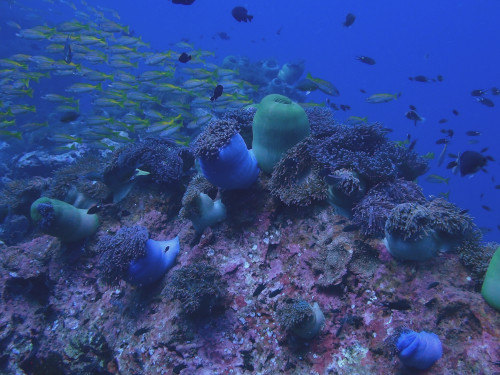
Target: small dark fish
(414, 116)
(332, 104)
(183, 2)
(94, 209)
(455, 112)
(240, 14)
(278, 32)
(450, 133)
(487, 208)
(443, 121)
(471, 162)
(275, 292)
(419, 79)
(412, 145)
(351, 228)
(366, 60)
(497, 186)
(481, 196)
(349, 19)
(259, 290)
(478, 92)
(463, 212)
(69, 116)
(345, 107)
(485, 101)
(484, 149)
(217, 92)
(451, 164)
(473, 133)
(412, 107)
(439, 78)
(401, 305)
(184, 57)
(495, 91)
(68, 54)
(432, 285)
(490, 158)
(362, 90)
(442, 141)
(223, 35)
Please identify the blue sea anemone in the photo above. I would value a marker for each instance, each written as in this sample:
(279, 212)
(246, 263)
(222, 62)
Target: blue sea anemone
(224, 158)
(419, 350)
(131, 256)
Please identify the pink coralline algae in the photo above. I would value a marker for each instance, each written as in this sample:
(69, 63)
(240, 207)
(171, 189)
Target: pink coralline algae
(58, 317)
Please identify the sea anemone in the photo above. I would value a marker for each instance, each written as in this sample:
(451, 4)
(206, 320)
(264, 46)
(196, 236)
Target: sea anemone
(199, 287)
(223, 156)
(199, 207)
(372, 211)
(409, 234)
(131, 256)
(296, 177)
(300, 317)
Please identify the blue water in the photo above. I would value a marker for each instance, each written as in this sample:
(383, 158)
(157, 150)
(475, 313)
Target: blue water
(456, 39)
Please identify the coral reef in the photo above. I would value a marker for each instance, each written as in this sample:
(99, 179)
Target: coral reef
(14, 228)
(198, 287)
(18, 195)
(332, 263)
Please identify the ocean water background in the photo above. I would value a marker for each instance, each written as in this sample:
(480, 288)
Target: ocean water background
(456, 39)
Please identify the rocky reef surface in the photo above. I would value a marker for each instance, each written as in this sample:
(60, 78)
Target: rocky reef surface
(58, 317)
